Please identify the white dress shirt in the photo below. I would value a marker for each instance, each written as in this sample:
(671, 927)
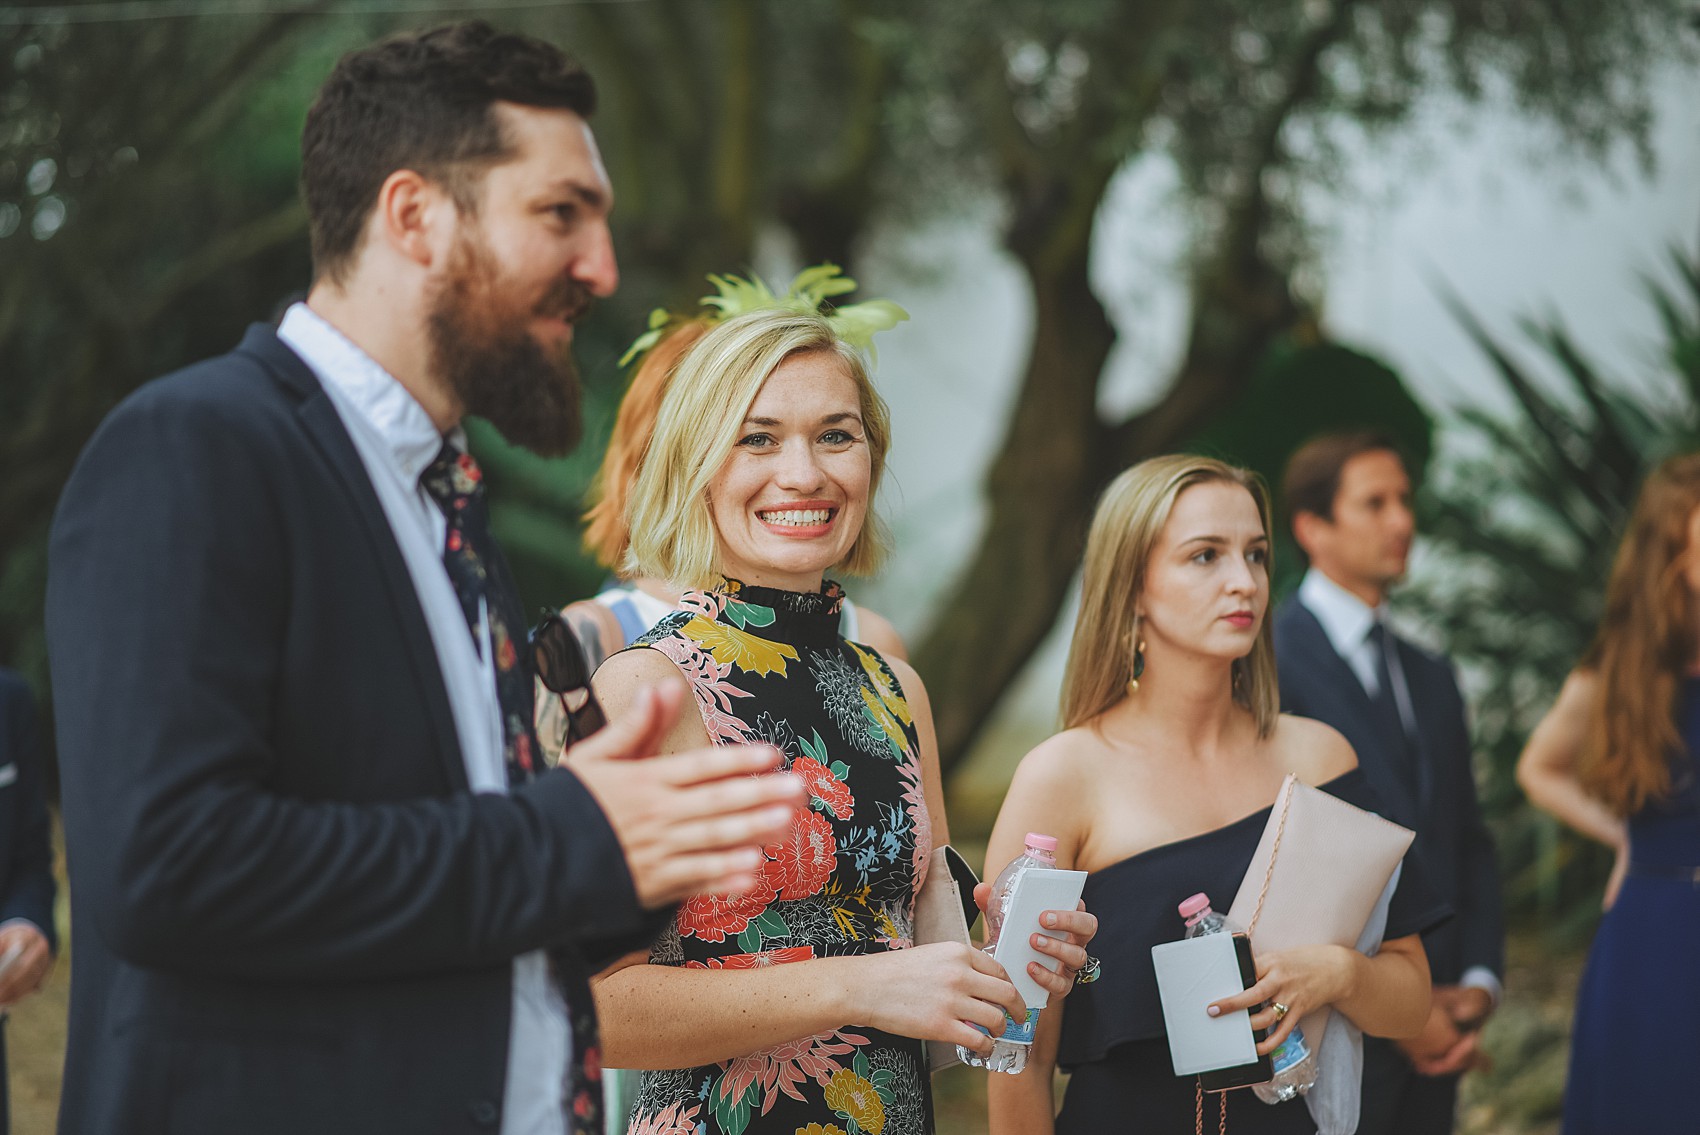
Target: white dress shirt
(397, 440)
(1347, 621)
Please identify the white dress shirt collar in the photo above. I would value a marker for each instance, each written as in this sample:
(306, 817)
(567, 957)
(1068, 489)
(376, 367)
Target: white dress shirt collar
(408, 435)
(1345, 618)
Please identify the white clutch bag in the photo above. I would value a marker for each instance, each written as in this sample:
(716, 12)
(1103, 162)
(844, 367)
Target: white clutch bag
(1316, 877)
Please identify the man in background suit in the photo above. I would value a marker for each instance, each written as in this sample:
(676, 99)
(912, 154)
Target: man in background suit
(1349, 500)
(27, 938)
(324, 880)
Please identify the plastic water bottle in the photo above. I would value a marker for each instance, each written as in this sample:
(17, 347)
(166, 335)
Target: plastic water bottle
(1009, 1052)
(1294, 1063)
(1295, 1070)
(1201, 920)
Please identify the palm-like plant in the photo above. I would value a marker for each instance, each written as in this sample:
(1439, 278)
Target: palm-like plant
(1526, 515)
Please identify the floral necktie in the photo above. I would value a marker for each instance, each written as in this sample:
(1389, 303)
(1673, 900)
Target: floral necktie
(456, 483)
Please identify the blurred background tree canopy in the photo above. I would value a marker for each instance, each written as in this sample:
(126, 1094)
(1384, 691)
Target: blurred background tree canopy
(1526, 516)
(147, 173)
(149, 211)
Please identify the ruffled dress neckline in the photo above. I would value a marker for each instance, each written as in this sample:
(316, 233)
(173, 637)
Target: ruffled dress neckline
(773, 613)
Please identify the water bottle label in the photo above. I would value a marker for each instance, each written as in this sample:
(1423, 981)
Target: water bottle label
(1020, 1032)
(1292, 1050)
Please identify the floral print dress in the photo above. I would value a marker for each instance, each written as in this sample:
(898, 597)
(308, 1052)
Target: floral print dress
(769, 666)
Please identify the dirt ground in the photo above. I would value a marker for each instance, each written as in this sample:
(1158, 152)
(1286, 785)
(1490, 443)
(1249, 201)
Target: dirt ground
(35, 1050)
(35, 1034)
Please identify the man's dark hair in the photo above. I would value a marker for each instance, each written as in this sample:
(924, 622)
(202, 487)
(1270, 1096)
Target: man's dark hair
(1312, 479)
(423, 101)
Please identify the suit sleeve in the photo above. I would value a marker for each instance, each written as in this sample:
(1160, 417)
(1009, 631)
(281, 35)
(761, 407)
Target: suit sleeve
(29, 894)
(168, 610)
(1481, 915)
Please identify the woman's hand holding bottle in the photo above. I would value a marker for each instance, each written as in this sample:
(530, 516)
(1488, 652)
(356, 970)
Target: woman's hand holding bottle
(1299, 981)
(936, 992)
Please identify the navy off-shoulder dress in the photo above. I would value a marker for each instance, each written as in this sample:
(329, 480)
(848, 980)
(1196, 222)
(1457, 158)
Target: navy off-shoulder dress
(1113, 1041)
(1636, 1045)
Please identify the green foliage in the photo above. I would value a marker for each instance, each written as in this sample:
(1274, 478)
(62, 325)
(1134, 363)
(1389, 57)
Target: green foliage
(1306, 389)
(144, 238)
(535, 508)
(170, 220)
(1526, 515)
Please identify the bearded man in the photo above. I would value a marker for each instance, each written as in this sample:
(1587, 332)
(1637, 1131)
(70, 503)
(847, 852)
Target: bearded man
(322, 881)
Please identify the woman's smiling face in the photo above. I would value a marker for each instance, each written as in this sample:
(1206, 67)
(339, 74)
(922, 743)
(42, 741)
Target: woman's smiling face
(792, 497)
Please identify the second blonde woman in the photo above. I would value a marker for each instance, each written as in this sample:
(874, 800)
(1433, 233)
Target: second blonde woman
(1160, 785)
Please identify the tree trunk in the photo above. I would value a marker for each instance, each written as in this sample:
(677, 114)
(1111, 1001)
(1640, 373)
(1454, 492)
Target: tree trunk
(1040, 489)
(1058, 454)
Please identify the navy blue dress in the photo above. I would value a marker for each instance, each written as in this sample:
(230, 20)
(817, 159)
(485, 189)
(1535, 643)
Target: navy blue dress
(1113, 1041)
(1635, 1049)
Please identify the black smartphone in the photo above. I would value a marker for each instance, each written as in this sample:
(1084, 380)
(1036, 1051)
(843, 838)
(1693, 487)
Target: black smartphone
(1259, 1071)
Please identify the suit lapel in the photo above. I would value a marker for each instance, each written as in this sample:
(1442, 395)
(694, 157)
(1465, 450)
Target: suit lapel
(1333, 672)
(329, 436)
(1333, 669)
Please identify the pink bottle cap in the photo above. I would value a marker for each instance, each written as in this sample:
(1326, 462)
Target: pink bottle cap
(1197, 904)
(1042, 842)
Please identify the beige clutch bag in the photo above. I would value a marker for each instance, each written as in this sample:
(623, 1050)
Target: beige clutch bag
(941, 915)
(1316, 877)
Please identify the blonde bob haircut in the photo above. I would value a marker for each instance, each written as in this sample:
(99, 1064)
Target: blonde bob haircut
(1130, 518)
(701, 419)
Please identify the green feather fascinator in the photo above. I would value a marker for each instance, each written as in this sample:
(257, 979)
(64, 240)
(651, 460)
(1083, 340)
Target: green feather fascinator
(855, 323)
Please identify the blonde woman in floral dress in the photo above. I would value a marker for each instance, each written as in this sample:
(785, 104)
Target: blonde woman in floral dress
(799, 1006)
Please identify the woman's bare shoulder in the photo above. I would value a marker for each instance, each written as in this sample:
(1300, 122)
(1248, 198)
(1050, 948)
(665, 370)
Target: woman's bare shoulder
(597, 629)
(1314, 752)
(877, 632)
(621, 679)
(1581, 687)
(1061, 762)
(1576, 703)
(623, 674)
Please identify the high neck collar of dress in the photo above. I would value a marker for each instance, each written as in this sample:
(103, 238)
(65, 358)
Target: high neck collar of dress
(771, 612)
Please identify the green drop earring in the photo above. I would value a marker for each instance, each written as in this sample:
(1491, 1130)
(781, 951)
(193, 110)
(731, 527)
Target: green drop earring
(1138, 668)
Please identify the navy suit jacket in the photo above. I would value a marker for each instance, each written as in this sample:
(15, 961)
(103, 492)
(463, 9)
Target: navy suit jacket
(26, 851)
(1453, 844)
(292, 914)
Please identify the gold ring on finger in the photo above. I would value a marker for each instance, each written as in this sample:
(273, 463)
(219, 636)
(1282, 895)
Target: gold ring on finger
(1279, 1009)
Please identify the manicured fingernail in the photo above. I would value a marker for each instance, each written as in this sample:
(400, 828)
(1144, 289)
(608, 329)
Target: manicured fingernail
(1214, 1010)
(1049, 920)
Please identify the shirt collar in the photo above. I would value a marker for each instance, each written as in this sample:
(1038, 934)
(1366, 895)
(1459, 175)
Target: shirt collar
(1345, 618)
(405, 431)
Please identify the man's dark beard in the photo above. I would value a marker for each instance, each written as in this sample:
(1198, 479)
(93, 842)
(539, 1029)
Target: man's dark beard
(481, 347)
